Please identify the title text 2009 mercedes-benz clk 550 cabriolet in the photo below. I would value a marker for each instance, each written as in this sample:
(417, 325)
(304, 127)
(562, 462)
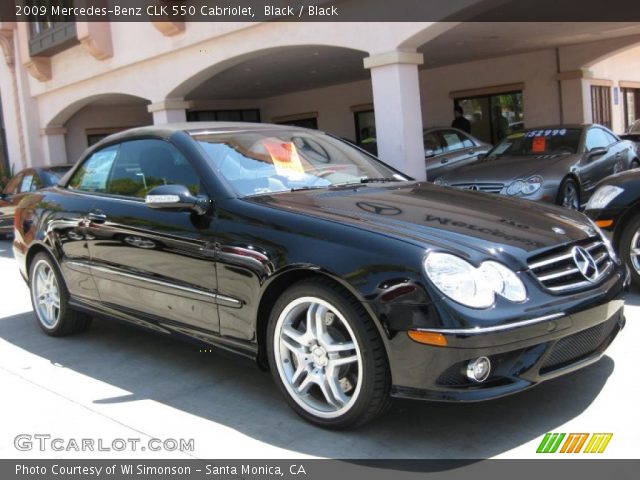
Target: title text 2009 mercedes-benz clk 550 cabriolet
(351, 283)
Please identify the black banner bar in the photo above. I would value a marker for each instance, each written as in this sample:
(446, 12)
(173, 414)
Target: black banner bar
(321, 10)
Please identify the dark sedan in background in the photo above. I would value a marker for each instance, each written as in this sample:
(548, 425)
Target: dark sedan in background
(615, 208)
(24, 182)
(555, 164)
(349, 282)
(447, 148)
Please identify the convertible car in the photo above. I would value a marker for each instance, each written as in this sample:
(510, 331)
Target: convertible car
(351, 283)
(555, 164)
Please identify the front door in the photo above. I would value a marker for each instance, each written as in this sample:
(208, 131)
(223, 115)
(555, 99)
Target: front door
(155, 262)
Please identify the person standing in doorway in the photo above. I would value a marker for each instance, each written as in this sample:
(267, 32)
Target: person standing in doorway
(459, 121)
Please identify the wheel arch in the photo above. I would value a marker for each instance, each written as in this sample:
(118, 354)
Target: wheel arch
(280, 283)
(34, 249)
(570, 176)
(629, 214)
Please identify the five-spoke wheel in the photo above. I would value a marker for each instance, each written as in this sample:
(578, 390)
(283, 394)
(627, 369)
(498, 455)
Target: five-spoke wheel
(327, 356)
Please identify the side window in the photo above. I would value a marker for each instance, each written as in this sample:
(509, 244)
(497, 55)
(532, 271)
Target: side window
(144, 164)
(14, 183)
(26, 183)
(432, 142)
(452, 141)
(93, 174)
(595, 139)
(610, 138)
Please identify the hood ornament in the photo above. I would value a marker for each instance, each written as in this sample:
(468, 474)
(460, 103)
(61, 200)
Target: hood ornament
(559, 230)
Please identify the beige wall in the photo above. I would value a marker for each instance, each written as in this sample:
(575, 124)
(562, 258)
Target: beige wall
(624, 66)
(93, 117)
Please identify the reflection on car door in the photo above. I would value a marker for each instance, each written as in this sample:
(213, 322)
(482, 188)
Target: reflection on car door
(158, 263)
(595, 168)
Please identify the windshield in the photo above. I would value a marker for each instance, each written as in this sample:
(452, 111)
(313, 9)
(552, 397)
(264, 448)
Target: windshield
(261, 162)
(552, 141)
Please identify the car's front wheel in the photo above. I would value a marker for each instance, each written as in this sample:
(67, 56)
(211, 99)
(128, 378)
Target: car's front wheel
(569, 194)
(327, 357)
(50, 299)
(630, 248)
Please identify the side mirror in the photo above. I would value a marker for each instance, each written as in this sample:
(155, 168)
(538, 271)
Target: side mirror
(175, 197)
(596, 152)
(428, 153)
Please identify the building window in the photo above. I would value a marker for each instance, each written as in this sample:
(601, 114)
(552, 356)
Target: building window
(365, 127)
(494, 116)
(311, 122)
(50, 34)
(245, 115)
(631, 102)
(601, 105)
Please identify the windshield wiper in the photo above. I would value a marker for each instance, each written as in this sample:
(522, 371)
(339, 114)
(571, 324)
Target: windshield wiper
(308, 187)
(379, 179)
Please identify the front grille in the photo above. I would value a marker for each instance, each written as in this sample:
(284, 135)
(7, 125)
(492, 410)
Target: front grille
(580, 345)
(558, 272)
(481, 187)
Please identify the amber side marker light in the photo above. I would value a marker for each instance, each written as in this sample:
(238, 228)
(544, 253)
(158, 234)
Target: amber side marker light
(428, 338)
(604, 223)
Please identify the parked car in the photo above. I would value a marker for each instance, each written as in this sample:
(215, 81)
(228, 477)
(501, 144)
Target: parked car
(24, 182)
(633, 134)
(556, 164)
(348, 282)
(447, 148)
(615, 208)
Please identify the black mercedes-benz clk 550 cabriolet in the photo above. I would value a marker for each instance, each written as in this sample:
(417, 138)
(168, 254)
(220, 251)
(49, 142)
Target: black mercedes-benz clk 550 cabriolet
(349, 281)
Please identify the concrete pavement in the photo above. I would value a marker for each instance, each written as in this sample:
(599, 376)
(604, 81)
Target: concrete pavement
(117, 382)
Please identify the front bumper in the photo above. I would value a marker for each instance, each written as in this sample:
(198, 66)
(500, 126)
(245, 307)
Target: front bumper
(521, 357)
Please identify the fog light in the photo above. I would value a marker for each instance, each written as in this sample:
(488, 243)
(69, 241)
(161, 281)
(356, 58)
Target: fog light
(479, 369)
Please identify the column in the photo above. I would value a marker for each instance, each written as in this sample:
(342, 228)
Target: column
(396, 100)
(171, 110)
(54, 146)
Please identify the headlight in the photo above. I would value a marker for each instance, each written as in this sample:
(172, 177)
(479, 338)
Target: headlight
(441, 181)
(603, 197)
(612, 253)
(471, 286)
(525, 187)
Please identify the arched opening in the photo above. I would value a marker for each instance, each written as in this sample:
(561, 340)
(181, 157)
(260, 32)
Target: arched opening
(88, 120)
(312, 86)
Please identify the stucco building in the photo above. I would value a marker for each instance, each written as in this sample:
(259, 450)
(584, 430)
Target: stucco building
(65, 85)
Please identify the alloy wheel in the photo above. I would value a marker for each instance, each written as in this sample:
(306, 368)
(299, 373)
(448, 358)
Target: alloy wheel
(46, 294)
(634, 251)
(570, 196)
(318, 357)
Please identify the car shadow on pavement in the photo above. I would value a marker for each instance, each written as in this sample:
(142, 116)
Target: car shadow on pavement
(238, 395)
(5, 249)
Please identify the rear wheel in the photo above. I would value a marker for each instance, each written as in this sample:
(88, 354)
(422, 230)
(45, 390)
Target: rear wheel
(327, 357)
(50, 298)
(634, 164)
(569, 194)
(630, 248)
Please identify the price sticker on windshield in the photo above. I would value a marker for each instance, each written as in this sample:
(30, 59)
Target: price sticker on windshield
(285, 158)
(539, 144)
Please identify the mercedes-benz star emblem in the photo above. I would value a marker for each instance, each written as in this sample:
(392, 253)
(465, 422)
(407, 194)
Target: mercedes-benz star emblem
(558, 230)
(473, 187)
(585, 263)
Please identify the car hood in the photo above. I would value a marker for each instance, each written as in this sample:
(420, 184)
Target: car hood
(433, 216)
(507, 168)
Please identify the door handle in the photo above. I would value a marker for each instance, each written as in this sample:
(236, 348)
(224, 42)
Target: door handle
(97, 217)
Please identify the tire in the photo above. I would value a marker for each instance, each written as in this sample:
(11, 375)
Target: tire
(634, 164)
(565, 197)
(50, 299)
(356, 380)
(630, 240)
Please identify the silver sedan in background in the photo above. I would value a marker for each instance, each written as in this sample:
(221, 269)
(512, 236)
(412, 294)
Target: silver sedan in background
(558, 164)
(448, 148)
